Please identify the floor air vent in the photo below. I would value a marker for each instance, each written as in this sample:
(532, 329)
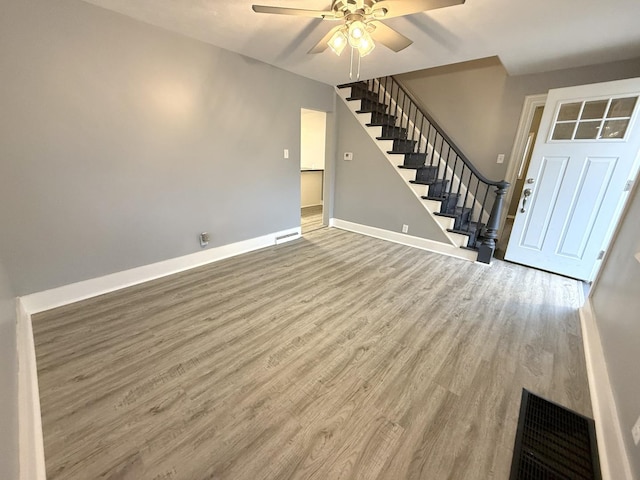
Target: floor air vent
(553, 443)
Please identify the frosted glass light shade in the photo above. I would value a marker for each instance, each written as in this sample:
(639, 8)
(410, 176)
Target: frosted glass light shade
(357, 31)
(338, 42)
(366, 45)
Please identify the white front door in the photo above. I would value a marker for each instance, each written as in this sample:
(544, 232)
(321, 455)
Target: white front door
(585, 155)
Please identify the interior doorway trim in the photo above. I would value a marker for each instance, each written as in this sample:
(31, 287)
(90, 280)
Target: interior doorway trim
(531, 102)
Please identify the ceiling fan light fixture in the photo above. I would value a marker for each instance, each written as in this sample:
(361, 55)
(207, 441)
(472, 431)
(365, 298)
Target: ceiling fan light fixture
(357, 31)
(366, 45)
(338, 42)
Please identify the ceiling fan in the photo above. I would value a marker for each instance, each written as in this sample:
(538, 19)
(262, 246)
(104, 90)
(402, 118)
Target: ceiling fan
(361, 22)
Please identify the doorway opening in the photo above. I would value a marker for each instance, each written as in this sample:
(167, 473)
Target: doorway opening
(313, 132)
(527, 140)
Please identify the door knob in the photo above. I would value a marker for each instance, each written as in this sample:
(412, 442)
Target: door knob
(525, 193)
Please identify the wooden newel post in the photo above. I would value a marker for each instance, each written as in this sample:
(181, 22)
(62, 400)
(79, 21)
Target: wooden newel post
(488, 246)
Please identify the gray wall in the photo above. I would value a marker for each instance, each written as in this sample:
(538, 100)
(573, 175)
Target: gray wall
(368, 191)
(616, 303)
(122, 141)
(8, 381)
(479, 105)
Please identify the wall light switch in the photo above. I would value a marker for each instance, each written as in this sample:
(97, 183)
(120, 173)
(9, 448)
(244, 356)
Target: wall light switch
(501, 158)
(348, 156)
(204, 239)
(286, 153)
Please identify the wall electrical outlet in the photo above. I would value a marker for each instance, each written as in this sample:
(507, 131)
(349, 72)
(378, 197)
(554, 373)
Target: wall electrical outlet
(501, 158)
(635, 431)
(204, 239)
(405, 228)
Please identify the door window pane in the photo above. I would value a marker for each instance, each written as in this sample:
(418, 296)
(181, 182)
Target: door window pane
(563, 131)
(588, 130)
(569, 111)
(594, 110)
(615, 128)
(622, 107)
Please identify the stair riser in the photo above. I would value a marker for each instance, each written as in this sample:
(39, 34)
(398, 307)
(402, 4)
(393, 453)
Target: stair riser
(382, 119)
(394, 132)
(404, 146)
(462, 221)
(372, 106)
(361, 94)
(414, 159)
(426, 174)
(438, 189)
(449, 203)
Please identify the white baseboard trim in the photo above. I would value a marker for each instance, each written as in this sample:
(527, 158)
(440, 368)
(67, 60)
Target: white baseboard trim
(404, 239)
(613, 456)
(31, 443)
(57, 297)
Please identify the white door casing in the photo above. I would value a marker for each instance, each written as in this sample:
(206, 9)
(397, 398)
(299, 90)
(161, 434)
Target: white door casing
(578, 171)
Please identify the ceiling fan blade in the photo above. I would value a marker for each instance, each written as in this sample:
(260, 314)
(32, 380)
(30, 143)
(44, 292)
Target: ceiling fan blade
(399, 8)
(390, 38)
(294, 11)
(323, 44)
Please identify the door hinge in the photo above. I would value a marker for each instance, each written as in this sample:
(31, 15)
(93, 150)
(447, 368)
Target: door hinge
(628, 186)
(601, 255)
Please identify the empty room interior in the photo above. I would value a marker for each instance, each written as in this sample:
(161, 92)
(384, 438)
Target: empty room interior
(317, 240)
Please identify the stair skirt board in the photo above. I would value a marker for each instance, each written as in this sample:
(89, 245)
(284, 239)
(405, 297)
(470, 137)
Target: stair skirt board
(408, 240)
(432, 206)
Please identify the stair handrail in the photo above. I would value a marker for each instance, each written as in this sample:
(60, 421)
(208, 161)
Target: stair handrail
(443, 134)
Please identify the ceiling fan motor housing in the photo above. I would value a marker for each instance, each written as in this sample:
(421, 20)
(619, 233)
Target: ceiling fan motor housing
(346, 7)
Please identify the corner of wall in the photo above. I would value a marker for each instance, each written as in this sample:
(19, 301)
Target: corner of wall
(614, 462)
(30, 439)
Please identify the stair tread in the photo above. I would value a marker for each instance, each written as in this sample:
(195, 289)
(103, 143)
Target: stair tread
(353, 84)
(415, 167)
(353, 99)
(470, 229)
(441, 198)
(459, 211)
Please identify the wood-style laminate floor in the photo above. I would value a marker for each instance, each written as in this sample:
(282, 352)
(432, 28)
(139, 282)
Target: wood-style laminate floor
(311, 218)
(336, 356)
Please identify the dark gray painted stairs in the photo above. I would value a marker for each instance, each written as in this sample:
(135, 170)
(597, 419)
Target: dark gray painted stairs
(425, 174)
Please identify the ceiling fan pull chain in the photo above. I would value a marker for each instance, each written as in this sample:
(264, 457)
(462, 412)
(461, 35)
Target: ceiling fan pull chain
(351, 66)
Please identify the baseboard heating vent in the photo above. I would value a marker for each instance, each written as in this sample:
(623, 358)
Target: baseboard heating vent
(553, 443)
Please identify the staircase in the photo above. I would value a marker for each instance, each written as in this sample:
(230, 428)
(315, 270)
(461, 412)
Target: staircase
(459, 197)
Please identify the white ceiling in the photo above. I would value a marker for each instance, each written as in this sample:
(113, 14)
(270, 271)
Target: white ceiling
(527, 35)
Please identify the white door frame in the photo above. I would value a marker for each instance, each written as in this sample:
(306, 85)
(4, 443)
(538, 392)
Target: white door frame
(531, 102)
